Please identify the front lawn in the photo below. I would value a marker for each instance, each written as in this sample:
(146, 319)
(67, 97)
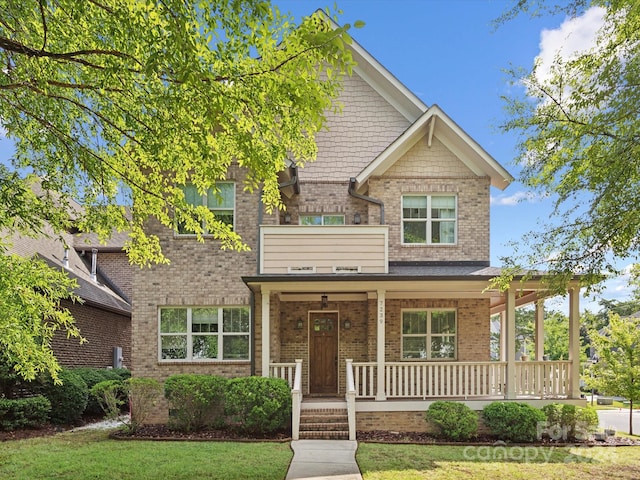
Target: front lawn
(436, 462)
(91, 454)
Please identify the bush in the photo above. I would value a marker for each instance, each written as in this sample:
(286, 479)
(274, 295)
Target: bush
(258, 405)
(110, 396)
(143, 394)
(568, 422)
(68, 400)
(455, 420)
(93, 376)
(195, 401)
(123, 373)
(512, 421)
(24, 412)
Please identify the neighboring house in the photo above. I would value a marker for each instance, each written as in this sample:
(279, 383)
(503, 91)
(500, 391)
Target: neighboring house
(372, 284)
(104, 285)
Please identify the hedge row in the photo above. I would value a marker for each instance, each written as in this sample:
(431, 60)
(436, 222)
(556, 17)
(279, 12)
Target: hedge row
(513, 421)
(29, 412)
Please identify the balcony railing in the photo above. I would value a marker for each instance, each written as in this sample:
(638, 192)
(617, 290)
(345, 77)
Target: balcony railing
(300, 249)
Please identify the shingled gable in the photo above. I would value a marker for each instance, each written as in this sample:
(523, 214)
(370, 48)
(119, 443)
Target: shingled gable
(435, 123)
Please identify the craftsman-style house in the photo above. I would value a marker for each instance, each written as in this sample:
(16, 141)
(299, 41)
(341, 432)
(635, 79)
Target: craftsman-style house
(370, 288)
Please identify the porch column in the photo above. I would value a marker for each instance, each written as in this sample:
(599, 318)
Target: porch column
(503, 336)
(381, 394)
(539, 340)
(574, 341)
(510, 341)
(266, 329)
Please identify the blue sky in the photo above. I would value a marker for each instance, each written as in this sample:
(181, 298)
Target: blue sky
(448, 53)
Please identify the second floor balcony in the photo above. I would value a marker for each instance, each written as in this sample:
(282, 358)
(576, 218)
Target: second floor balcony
(301, 249)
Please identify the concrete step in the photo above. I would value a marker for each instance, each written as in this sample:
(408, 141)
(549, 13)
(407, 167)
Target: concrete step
(324, 424)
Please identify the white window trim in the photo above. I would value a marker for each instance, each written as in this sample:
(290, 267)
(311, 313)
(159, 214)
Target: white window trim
(428, 335)
(428, 220)
(221, 334)
(204, 203)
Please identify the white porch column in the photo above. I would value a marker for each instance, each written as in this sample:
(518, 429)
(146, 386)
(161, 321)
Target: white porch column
(510, 341)
(503, 336)
(266, 332)
(381, 394)
(539, 339)
(574, 340)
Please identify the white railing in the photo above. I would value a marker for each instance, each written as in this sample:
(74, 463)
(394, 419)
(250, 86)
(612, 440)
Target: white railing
(285, 371)
(422, 380)
(292, 373)
(351, 400)
(543, 379)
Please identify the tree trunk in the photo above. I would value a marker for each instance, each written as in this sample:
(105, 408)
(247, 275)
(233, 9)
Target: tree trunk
(630, 417)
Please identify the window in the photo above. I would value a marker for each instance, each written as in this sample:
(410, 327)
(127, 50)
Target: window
(321, 219)
(220, 200)
(204, 333)
(429, 219)
(428, 334)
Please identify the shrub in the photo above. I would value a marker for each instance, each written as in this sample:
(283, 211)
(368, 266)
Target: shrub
(24, 412)
(68, 400)
(512, 421)
(568, 422)
(258, 405)
(143, 394)
(93, 376)
(110, 396)
(195, 401)
(123, 373)
(455, 420)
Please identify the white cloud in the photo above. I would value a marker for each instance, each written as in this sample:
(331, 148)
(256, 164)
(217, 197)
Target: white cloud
(574, 35)
(514, 199)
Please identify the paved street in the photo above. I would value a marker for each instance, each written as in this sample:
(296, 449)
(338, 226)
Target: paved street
(620, 420)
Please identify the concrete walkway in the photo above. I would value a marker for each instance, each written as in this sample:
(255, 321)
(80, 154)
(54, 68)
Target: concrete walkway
(324, 459)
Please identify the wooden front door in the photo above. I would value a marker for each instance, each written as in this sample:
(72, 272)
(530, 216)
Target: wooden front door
(323, 353)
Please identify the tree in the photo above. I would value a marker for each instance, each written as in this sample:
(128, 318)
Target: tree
(111, 99)
(617, 371)
(579, 144)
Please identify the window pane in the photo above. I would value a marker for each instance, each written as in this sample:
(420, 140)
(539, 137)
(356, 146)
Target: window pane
(173, 320)
(235, 319)
(204, 320)
(205, 346)
(224, 216)
(443, 207)
(414, 201)
(333, 219)
(415, 232)
(310, 220)
(443, 322)
(222, 196)
(173, 346)
(414, 347)
(443, 347)
(443, 232)
(191, 195)
(235, 347)
(414, 323)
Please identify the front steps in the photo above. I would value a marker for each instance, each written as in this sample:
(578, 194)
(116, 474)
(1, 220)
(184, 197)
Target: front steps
(320, 421)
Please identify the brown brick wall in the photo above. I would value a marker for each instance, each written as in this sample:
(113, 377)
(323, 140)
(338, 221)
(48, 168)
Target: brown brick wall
(401, 422)
(103, 330)
(116, 267)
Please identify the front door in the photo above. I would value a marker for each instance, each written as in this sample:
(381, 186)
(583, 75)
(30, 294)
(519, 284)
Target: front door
(323, 353)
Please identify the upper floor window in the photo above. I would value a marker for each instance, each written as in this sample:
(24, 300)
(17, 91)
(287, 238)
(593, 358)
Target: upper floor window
(204, 333)
(220, 200)
(429, 219)
(428, 334)
(321, 219)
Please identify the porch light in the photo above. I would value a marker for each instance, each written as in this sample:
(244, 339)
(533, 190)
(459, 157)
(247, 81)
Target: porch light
(324, 301)
(347, 324)
(299, 324)
(357, 219)
(287, 218)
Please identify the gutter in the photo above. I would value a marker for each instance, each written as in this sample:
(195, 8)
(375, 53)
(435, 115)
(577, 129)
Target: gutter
(353, 193)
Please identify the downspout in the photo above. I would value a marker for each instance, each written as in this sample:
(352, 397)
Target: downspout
(353, 193)
(94, 264)
(252, 295)
(293, 181)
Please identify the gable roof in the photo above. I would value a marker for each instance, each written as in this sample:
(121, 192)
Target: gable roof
(434, 122)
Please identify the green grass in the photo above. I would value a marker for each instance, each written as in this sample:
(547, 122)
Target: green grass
(616, 406)
(92, 455)
(409, 462)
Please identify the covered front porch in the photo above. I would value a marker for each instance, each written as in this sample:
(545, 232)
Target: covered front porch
(373, 376)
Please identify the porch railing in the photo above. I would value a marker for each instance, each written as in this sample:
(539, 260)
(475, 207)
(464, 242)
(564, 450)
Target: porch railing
(422, 380)
(292, 372)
